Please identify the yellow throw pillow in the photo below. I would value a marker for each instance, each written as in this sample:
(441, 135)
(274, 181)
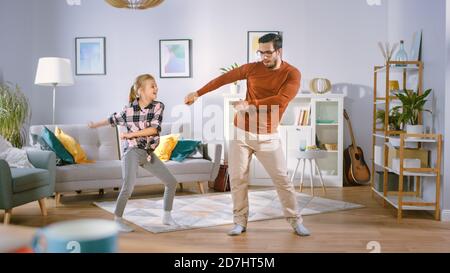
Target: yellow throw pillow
(166, 145)
(72, 146)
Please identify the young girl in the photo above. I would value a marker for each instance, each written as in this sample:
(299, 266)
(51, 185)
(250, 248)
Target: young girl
(142, 118)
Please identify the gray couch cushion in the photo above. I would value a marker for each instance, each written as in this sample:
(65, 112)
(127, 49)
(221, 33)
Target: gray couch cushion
(188, 166)
(24, 179)
(107, 169)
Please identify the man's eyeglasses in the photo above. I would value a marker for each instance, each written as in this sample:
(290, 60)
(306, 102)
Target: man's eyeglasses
(265, 53)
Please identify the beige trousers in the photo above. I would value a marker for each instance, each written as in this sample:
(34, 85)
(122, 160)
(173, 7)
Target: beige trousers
(268, 150)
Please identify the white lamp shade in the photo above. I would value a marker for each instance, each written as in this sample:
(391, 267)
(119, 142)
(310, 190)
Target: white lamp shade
(54, 71)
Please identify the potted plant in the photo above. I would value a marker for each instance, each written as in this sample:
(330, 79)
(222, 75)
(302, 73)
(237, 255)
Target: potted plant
(412, 107)
(394, 122)
(234, 89)
(14, 112)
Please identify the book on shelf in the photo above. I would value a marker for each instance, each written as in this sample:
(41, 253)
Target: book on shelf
(304, 117)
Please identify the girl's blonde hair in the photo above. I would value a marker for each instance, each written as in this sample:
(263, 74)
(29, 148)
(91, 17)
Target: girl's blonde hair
(138, 83)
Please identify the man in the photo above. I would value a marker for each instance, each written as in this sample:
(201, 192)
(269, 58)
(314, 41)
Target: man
(271, 85)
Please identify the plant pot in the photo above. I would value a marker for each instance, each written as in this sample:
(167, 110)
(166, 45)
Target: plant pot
(414, 129)
(234, 89)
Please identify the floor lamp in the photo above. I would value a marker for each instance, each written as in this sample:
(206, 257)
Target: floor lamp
(54, 72)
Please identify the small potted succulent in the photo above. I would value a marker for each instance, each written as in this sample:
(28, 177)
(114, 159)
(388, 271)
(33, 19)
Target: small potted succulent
(234, 88)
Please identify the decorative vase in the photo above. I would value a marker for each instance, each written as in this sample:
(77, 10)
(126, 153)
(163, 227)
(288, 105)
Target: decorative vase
(414, 129)
(320, 86)
(401, 55)
(394, 86)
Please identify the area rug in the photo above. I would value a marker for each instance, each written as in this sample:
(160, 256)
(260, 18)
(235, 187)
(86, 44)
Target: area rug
(216, 209)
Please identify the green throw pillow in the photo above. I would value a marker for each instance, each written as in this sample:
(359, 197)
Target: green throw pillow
(56, 146)
(183, 149)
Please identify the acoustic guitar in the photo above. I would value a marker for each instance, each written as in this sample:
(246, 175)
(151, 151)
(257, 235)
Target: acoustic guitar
(355, 168)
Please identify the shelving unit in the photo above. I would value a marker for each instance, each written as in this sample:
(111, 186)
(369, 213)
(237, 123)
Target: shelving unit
(401, 199)
(322, 107)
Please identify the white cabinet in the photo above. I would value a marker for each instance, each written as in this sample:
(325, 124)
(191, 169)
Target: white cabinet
(323, 126)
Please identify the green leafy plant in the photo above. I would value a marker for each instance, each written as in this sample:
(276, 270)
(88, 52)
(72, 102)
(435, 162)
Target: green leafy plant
(228, 69)
(14, 112)
(412, 106)
(394, 118)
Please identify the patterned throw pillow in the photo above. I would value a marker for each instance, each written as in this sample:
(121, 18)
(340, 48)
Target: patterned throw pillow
(16, 158)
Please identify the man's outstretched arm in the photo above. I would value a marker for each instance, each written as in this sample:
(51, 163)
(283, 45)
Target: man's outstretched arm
(236, 74)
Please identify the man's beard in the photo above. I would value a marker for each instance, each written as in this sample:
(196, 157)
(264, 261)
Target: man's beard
(272, 64)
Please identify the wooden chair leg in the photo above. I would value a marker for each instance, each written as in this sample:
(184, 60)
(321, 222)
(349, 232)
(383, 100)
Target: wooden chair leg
(43, 206)
(57, 198)
(7, 218)
(200, 187)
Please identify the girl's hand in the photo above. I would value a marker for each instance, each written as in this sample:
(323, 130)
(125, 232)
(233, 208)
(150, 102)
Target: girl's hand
(191, 98)
(92, 125)
(101, 123)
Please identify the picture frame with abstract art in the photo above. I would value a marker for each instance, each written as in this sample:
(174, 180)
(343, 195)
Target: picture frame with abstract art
(252, 44)
(90, 55)
(175, 58)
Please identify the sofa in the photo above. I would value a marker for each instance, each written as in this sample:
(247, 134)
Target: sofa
(19, 186)
(104, 147)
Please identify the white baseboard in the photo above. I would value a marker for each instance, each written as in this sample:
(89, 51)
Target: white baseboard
(445, 215)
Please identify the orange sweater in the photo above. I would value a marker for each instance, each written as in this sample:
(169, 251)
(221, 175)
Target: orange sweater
(267, 91)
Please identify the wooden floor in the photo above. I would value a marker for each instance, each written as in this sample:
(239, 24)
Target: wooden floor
(343, 231)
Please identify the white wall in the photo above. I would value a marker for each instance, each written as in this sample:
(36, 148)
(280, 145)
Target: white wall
(446, 186)
(406, 17)
(16, 44)
(340, 43)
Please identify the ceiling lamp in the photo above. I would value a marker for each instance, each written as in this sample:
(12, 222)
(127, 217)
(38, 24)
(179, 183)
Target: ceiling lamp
(134, 4)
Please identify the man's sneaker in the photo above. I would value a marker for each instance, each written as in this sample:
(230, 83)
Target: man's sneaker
(236, 230)
(301, 230)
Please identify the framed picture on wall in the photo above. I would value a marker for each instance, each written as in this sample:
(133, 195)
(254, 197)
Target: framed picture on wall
(90, 55)
(252, 44)
(175, 58)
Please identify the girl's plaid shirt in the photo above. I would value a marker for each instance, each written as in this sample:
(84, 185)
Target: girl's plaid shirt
(135, 119)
